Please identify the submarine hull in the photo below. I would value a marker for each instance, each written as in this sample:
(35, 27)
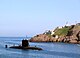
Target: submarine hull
(26, 48)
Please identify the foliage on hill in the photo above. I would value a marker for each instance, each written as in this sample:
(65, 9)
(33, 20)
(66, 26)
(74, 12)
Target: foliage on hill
(62, 32)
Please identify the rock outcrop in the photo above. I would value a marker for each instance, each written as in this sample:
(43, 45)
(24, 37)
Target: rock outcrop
(43, 38)
(68, 34)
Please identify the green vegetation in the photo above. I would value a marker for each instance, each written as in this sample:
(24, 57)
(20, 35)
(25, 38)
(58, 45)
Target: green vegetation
(49, 35)
(62, 32)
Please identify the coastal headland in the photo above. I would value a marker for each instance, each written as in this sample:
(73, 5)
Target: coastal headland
(66, 34)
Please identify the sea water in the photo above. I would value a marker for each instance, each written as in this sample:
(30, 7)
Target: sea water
(50, 50)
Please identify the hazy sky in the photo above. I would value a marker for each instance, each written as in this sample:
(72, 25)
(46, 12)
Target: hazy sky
(31, 17)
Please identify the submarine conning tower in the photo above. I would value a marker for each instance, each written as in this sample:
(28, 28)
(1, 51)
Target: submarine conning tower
(25, 43)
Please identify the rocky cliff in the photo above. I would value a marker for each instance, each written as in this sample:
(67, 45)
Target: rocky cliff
(68, 34)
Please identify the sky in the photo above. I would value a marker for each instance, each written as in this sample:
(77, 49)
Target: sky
(19, 18)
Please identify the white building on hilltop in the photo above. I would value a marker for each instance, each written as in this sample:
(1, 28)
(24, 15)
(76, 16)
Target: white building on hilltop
(78, 24)
(52, 32)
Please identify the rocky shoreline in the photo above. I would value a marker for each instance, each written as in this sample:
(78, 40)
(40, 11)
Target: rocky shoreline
(45, 38)
(66, 34)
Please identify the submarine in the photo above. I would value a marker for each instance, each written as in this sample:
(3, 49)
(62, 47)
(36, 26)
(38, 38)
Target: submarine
(25, 46)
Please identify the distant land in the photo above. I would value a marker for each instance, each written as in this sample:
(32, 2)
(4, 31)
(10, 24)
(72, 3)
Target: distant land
(67, 34)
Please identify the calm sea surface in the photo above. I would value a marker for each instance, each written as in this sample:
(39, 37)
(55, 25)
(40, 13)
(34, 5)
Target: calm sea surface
(50, 50)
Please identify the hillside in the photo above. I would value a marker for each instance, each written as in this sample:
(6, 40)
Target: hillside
(62, 32)
(69, 34)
